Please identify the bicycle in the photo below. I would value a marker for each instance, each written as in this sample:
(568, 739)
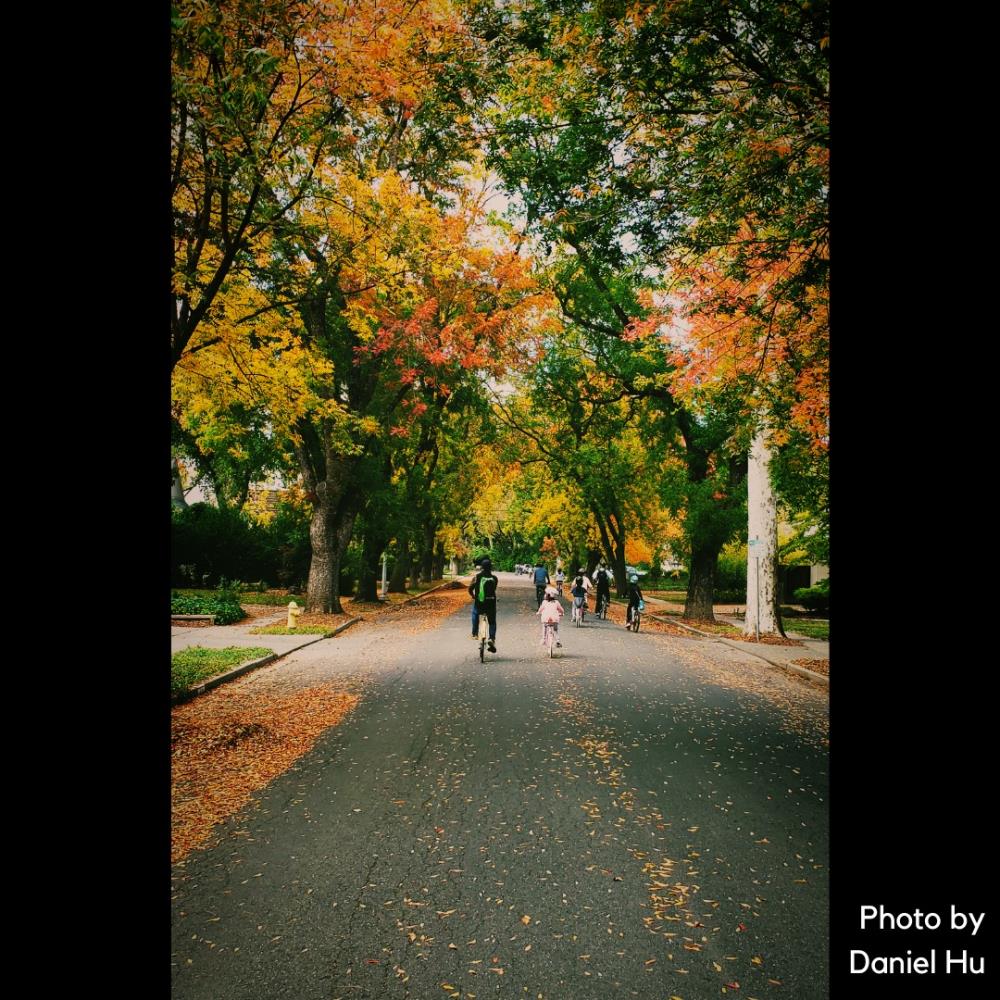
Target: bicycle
(602, 607)
(634, 621)
(579, 612)
(550, 637)
(483, 635)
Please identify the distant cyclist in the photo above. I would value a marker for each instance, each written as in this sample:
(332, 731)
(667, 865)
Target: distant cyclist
(634, 597)
(540, 576)
(560, 580)
(603, 580)
(483, 590)
(581, 587)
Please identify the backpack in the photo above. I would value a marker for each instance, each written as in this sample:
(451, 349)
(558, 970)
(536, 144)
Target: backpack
(486, 589)
(540, 575)
(578, 588)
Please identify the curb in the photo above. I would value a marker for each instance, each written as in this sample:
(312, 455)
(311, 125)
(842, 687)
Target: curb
(229, 675)
(244, 668)
(742, 646)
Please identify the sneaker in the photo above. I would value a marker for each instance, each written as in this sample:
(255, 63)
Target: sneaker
(558, 645)
(492, 647)
(475, 638)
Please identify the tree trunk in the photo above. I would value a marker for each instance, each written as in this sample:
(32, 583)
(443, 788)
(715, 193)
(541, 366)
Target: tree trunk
(427, 554)
(319, 594)
(401, 569)
(371, 567)
(701, 584)
(340, 537)
(438, 568)
(613, 536)
(762, 541)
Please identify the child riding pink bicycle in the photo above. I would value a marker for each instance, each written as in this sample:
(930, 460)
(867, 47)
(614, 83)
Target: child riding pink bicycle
(550, 611)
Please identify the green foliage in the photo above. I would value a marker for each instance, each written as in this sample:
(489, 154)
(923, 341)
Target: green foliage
(211, 544)
(226, 611)
(194, 664)
(801, 478)
(350, 568)
(814, 598)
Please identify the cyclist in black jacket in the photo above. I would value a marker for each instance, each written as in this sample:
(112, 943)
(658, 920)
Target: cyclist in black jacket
(603, 580)
(483, 591)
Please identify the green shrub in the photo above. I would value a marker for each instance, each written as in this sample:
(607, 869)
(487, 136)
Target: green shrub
(731, 570)
(226, 612)
(730, 596)
(814, 598)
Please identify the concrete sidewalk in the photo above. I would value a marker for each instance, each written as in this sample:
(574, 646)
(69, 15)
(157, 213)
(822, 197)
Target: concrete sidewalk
(778, 656)
(240, 634)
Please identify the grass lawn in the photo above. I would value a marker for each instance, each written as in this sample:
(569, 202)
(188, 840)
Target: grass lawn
(812, 628)
(258, 597)
(285, 630)
(194, 664)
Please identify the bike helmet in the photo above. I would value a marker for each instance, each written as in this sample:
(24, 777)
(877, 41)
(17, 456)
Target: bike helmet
(551, 591)
(486, 563)
(633, 578)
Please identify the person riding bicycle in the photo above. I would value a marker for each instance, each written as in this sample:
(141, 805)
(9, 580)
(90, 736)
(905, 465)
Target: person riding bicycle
(603, 580)
(581, 587)
(634, 597)
(483, 590)
(550, 611)
(560, 580)
(540, 576)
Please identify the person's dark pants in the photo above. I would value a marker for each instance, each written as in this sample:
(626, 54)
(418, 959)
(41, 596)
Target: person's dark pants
(540, 594)
(603, 594)
(490, 610)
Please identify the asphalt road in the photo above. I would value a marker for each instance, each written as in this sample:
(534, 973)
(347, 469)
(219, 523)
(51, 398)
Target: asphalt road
(643, 816)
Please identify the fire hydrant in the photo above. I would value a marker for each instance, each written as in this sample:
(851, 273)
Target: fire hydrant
(293, 613)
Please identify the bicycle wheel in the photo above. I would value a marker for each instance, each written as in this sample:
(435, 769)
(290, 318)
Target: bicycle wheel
(482, 650)
(551, 642)
(635, 621)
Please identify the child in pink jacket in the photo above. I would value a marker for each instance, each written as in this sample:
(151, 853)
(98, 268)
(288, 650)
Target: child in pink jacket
(550, 611)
